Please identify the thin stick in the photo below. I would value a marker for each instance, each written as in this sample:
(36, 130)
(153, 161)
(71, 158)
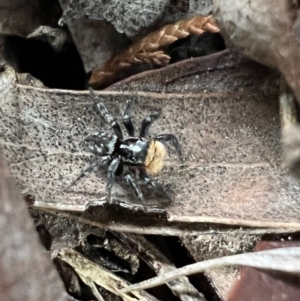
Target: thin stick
(165, 230)
(283, 259)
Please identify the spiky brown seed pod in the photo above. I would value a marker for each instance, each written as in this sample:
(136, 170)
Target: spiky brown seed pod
(147, 49)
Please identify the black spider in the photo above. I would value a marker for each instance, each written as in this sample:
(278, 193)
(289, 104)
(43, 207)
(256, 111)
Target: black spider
(147, 155)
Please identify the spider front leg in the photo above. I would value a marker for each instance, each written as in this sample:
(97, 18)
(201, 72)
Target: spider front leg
(127, 120)
(86, 171)
(131, 181)
(147, 122)
(172, 140)
(106, 116)
(158, 188)
(113, 167)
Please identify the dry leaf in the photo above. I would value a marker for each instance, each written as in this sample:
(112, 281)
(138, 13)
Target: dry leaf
(26, 16)
(134, 17)
(238, 180)
(26, 270)
(267, 31)
(261, 285)
(102, 29)
(272, 39)
(55, 36)
(91, 274)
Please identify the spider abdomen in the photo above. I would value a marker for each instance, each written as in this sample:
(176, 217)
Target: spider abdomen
(155, 157)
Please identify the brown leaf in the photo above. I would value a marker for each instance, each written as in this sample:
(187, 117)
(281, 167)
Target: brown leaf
(26, 270)
(263, 285)
(267, 31)
(230, 137)
(96, 41)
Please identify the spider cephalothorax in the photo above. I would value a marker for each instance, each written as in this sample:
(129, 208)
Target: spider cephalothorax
(146, 155)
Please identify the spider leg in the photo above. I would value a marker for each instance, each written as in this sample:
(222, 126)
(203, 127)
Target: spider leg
(158, 188)
(173, 141)
(111, 174)
(109, 119)
(106, 116)
(89, 169)
(127, 120)
(146, 123)
(131, 181)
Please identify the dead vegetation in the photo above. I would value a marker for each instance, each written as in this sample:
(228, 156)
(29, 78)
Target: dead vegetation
(147, 50)
(232, 193)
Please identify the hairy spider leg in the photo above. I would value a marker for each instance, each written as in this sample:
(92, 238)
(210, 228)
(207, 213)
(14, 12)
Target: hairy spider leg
(131, 181)
(172, 140)
(109, 119)
(86, 171)
(158, 188)
(111, 175)
(127, 120)
(106, 116)
(146, 123)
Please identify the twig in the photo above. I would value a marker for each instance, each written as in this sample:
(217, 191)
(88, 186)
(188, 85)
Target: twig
(166, 230)
(147, 49)
(283, 259)
(233, 221)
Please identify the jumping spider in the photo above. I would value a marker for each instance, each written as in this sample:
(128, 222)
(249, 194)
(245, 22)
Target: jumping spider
(137, 152)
